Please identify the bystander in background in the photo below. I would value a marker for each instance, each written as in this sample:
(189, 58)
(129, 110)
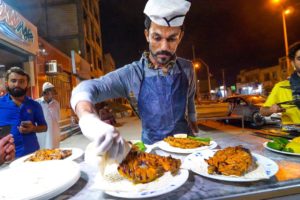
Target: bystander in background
(51, 138)
(23, 114)
(285, 96)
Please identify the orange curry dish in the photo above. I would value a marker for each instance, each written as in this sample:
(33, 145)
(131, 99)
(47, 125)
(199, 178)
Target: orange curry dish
(141, 167)
(235, 161)
(49, 154)
(185, 143)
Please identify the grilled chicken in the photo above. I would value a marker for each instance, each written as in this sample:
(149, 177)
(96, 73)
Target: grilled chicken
(231, 161)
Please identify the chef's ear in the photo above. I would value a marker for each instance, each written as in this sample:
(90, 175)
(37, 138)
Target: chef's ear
(146, 32)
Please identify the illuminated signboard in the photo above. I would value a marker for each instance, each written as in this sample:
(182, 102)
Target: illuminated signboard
(16, 30)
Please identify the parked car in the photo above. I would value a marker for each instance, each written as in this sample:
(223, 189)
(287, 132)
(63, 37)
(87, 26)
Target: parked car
(249, 106)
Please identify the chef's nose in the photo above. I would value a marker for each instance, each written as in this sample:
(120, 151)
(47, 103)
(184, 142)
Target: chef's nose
(164, 45)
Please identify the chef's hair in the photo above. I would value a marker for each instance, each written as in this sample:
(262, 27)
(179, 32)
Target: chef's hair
(148, 21)
(17, 70)
(293, 50)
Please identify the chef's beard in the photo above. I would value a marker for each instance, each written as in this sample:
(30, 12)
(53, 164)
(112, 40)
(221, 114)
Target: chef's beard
(16, 92)
(162, 61)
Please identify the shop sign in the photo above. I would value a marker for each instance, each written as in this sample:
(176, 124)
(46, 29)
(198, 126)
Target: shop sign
(15, 29)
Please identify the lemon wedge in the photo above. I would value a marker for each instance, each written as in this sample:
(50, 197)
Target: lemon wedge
(180, 135)
(295, 146)
(296, 139)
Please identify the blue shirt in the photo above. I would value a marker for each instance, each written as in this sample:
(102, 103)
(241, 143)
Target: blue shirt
(126, 82)
(11, 114)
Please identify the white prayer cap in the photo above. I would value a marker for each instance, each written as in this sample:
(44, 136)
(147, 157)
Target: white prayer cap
(167, 12)
(47, 85)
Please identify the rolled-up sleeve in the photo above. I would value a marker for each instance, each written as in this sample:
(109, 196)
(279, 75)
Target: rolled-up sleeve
(112, 85)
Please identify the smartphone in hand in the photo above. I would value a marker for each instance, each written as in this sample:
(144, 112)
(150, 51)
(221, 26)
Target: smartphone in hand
(4, 131)
(25, 123)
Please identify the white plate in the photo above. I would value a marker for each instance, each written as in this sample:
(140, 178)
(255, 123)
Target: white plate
(266, 167)
(166, 147)
(38, 180)
(282, 152)
(76, 153)
(162, 185)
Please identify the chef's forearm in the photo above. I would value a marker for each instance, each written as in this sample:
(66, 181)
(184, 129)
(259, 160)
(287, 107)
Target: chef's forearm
(84, 107)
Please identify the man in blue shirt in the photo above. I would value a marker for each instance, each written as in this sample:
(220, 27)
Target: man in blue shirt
(160, 86)
(23, 114)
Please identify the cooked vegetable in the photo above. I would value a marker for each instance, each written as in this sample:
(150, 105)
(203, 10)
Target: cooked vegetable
(141, 146)
(282, 141)
(275, 145)
(200, 139)
(288, 150)
(282, 144)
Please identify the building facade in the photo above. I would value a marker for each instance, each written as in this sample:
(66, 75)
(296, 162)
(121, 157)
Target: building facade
(266, 77)
(18, 44)
(68, 25)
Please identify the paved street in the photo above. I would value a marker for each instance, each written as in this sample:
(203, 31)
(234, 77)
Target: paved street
(130, 128)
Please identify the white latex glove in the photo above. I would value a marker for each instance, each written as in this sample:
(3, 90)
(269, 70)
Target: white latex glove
(106, 139)
(119, 150)
(101, 133)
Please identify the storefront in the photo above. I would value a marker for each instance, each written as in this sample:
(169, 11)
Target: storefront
(18, 44)
(62, 70)
(55, 67)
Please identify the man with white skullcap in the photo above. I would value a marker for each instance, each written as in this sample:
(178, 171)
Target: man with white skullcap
(160, 86)
(51, 108)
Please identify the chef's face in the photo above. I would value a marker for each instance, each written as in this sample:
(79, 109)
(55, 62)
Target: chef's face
(163, 42)
(16, 85)
(296, 61)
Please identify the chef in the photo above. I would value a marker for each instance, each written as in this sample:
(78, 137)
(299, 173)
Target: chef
(160, 86)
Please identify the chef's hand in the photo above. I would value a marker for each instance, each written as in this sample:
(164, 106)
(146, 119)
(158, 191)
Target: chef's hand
(105, 137)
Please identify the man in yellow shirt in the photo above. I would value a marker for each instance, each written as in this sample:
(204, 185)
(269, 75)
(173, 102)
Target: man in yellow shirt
(286, 90)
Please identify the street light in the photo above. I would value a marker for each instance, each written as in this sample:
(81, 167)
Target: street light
(196, 66)
(197, 63)
(284, 12)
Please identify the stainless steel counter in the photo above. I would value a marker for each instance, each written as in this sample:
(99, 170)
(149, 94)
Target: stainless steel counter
(285, 182)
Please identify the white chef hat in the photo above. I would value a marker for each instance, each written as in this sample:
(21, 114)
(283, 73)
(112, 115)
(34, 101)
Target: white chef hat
(167, 12)
(47, 86)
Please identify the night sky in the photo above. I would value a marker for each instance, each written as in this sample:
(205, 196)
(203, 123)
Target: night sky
(227, 34)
